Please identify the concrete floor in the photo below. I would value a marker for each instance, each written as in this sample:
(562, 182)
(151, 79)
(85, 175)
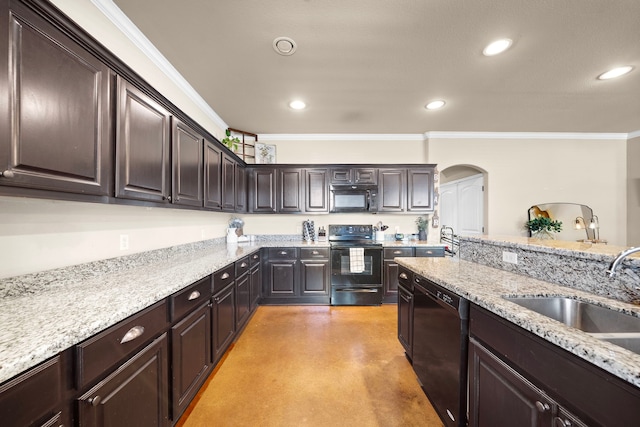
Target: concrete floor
(314, 366)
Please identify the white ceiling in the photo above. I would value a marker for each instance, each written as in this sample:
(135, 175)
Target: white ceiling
(370, 66)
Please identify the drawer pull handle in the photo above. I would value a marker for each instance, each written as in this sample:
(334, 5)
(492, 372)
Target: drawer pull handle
(404, 276)
(397, 252)
(225, 276)
(132, 334)
(283, 252)
(194, 295)
(94, 401)
(243, 265)
(315, 252)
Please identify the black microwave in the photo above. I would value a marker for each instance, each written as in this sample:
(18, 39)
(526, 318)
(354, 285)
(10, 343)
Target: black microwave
(353, 198)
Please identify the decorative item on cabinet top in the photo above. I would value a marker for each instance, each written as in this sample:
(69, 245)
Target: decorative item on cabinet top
(265, 153)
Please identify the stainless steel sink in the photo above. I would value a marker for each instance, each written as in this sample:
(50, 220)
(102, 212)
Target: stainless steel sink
(581, 315)
(630, 341)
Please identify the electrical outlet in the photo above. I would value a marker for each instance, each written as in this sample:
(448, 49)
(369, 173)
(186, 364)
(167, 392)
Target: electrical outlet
(510, 257)
(124, 242)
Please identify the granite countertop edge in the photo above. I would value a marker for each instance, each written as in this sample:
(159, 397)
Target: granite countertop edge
(486, 287)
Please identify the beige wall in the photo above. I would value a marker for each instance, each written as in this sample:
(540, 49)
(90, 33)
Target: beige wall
(521, 173)
(633, 191)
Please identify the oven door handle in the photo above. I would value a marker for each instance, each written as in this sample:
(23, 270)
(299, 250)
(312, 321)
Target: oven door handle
(358, 290)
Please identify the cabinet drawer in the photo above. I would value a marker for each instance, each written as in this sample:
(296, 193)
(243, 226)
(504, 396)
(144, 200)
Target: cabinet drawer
(282, 253)
(32, 395)
(429, 251)
(254, 259)
(223, 277)
(97, 354)
(312, 253)
(189, 298)
(391, 253)
(242, 266)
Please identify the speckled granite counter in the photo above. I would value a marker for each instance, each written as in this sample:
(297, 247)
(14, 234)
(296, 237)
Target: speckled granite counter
(485, 287)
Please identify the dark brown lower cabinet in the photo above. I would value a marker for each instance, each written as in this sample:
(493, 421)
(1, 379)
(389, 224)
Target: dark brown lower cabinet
(223, 320)
(519, 379)
(136, 394)
(191, 357)
(243, 300)
(255, 279)
(405, 320)
(315, 278)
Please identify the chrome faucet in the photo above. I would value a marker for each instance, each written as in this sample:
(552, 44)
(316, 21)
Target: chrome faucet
(612, 268)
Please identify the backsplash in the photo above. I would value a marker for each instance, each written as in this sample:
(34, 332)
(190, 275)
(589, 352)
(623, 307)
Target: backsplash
(578, 266)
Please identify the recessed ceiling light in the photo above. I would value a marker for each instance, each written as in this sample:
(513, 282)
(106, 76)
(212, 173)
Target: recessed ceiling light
(297, 105)
(497, 47)
(434, 105)
(616, 72)
(284, 46)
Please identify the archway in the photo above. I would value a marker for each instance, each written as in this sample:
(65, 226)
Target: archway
(463, 199)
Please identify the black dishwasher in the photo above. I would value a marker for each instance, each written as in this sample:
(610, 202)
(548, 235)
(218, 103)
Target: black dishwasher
(440, 346)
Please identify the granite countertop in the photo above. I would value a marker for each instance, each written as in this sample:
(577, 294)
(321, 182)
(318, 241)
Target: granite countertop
(69, 305)
(485, 286)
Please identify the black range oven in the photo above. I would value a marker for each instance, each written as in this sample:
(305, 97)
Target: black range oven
(356, 265)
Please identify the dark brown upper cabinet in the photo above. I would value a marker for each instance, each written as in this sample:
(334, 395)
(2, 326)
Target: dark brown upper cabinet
(290, 185)
(392, 190)
(55, 131)
(420, 189)
(316, 190)
(187, 164)
(241, 188)
(228, 183)
(262, 190)
(142, 146)
(354, 176)
(212, 176)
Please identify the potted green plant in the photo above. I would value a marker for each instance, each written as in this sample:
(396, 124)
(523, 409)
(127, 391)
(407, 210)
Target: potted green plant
(542, 227)
(422, 224)
(231, 142)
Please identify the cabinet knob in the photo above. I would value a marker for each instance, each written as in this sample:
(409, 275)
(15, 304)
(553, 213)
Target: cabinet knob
(7, 174)
(397, 252)
(132, 334)
(243, 265)
(559, 422)
(255, 256)
(94, 401)
(315, 252)
(194, 295)
(542, 407)
(283, 252)
(404, 276)
(225, 276)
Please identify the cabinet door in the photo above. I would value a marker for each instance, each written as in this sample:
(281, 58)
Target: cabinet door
(405, 320)
(365, 176)
(390, 285)
(187, 160)
(191, 357)
(55, 109)
(500, 397)
(282, 278)
(314, 277)
(241, 188)
(316, 190)
(243, 300)
(142, 146)
(255, 279)
(341, 176)
(392, 190)
(33, 395)
(212, 176)
(228, 183)
(224, 320)
(262, 190)
(290, 187)
(136, 394)
(420, 190)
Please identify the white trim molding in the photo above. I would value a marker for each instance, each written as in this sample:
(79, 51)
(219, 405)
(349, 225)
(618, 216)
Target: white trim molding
(133, 33)
(340, 137)
(634, 134)
(526, 135)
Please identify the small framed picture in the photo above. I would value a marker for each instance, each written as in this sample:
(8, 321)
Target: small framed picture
(265, 153)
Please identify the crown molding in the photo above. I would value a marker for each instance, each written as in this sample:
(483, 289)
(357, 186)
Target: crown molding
(634, 134)
(340, 137)
(129, 29)
(527, 135)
